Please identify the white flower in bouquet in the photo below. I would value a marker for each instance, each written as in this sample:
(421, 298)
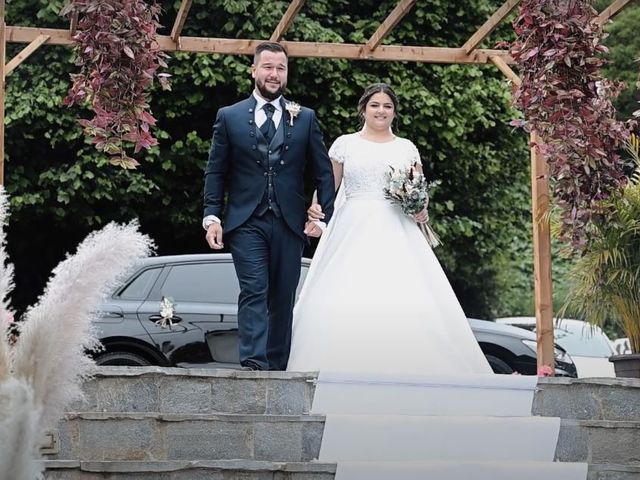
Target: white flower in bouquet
(409, 189)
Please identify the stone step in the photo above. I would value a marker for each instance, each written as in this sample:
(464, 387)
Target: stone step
(282, 438)
(613, 472)
(147, 436)
(588, 398)
(177, 390)
(599, 442)
(244, 469)
(188, 470)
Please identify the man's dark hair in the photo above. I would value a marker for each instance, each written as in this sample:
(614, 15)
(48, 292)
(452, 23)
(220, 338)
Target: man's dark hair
(269, 47)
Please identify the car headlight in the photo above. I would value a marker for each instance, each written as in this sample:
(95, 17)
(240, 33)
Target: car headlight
(560, 355)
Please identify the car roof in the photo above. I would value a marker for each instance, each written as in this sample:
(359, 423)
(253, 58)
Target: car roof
(194, 257)
(569, 324)
(492, 327)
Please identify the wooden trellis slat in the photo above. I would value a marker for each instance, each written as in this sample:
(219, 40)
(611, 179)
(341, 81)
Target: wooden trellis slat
(612, 10)
(24, 54)
(506, 70)
(490, 25)
(73, 25)
(232, 46)
(397, 14)
(181, 18)
(286, 20)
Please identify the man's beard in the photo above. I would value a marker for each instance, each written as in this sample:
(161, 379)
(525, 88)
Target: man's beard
(267, 94)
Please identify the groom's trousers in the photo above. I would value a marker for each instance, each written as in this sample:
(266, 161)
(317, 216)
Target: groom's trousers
(266, 254)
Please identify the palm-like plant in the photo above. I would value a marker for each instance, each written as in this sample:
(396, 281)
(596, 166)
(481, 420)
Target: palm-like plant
(605, 281)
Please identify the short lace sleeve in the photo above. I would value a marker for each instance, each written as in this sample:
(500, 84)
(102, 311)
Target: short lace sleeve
(338, 150)
(414, 154)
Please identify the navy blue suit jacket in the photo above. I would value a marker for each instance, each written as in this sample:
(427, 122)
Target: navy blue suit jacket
(236, 176)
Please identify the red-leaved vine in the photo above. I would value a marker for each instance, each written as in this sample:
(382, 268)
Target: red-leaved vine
(568, 103)
(118, 58)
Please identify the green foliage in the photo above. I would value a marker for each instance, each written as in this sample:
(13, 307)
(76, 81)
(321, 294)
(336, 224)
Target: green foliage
(457, 115)
(624, 44)
(605, 281)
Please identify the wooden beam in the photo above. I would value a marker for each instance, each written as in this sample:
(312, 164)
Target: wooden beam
(26, 51)
(490, 25)
(74, 23)
(397, 14)
(286, 20)
(542, 256)
(231, 46)
(3, 43)
(612, 10)
(178, 25)
(506, 70)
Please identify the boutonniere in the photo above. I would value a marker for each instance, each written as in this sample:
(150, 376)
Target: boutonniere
(294, 109)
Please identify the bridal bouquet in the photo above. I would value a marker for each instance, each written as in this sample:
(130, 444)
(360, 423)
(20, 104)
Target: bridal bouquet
(410, 189)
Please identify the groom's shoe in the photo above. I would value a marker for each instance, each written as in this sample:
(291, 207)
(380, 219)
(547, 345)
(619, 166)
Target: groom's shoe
(250, 366)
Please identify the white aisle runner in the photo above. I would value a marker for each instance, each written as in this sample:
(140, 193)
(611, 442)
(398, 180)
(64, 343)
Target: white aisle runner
(404, 428)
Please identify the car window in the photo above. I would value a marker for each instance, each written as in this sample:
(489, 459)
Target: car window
(139, 286)
(214, 282)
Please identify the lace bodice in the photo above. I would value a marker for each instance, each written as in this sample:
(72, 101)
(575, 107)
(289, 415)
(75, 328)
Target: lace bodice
(366, 163)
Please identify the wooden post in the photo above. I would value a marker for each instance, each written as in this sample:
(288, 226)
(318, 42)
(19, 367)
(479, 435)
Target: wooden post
(542, 256)
(2, 89)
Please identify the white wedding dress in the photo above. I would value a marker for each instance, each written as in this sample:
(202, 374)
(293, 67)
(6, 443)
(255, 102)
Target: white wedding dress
(376, 299)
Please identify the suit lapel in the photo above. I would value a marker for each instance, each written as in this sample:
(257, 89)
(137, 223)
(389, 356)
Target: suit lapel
(287, 130)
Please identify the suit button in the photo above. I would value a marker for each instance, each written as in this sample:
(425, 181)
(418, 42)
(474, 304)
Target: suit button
(281, 162)
(286, 147)
(251, 134)
(253, 147)
(269, 152)
(250, 122)
(288, 135)
(251, 110)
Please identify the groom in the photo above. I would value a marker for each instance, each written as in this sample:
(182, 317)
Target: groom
(260, 148)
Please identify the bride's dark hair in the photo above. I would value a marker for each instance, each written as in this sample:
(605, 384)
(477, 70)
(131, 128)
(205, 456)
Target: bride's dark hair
(369, 92)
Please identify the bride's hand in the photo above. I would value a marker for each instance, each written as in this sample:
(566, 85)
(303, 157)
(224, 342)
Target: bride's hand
(312, 229)
(315, 212)
(421, 217)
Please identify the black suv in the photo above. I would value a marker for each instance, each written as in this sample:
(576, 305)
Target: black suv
(204, 291)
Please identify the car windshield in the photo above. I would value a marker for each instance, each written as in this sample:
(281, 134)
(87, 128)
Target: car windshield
(583, 342)
(579, 341)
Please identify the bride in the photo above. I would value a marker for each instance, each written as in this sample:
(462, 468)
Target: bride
(375, 299)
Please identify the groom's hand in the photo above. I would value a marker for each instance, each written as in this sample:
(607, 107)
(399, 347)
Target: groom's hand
(214, 236)
(312, 229)
(315, 212)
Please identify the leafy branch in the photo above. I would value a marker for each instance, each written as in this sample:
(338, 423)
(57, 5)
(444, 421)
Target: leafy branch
(568, 103)
(118, 58)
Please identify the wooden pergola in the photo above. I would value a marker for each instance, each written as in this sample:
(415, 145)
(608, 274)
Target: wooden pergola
(469, 53)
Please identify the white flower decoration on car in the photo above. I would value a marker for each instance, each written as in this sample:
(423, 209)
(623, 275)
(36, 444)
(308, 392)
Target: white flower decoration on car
(294, 109)
(167, 312)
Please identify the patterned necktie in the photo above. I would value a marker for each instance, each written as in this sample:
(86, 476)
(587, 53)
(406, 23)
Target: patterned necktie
(268, 128)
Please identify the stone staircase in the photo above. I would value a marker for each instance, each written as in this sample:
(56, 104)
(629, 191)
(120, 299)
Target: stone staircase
(155, 423)
(600, 423)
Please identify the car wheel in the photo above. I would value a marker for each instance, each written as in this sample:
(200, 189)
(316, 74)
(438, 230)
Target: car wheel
(122, 359)
(498, 365)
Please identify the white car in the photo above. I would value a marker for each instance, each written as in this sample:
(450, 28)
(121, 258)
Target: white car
(588, 345)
